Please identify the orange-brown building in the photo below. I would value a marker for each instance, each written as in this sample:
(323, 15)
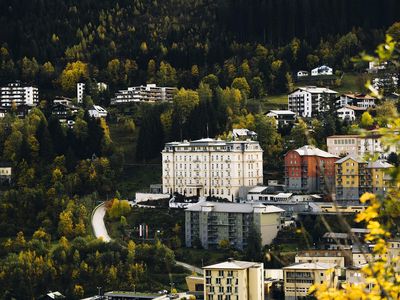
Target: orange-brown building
(310, 170)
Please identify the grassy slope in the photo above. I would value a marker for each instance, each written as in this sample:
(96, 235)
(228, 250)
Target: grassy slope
(349, 84)
(136, 176)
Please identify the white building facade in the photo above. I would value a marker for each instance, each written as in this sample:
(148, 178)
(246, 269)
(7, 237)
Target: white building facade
(19, 95)
(209, 167)
(346, 113)
(322, 70)
(97, 111)
(310, 100)
(80, 90)
(144, 93)
(358, 100)
(358, 145)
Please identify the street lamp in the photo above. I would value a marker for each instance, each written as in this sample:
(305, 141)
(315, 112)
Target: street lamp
(172, 286)
(99, 292)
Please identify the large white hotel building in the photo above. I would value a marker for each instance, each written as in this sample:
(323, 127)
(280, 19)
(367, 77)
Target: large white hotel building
(210, 167)
(19, 95)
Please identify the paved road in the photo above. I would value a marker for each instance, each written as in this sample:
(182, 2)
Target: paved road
(99, 228)
(190, 267)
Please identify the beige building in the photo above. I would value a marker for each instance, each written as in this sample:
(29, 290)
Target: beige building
(298, 278)
(208, 223)
(358, 145)
(210, 167)
(335, 257)
(234, 280)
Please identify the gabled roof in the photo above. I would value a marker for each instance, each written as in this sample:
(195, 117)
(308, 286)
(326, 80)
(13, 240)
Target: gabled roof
(359, 96)
(309, 150)
(356, 158)
(257, 189)
(379, 164)
(282, 112)
(315, 90)
(233, 265)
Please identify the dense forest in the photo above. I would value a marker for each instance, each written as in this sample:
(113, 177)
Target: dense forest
(224, 56)
(133, 42)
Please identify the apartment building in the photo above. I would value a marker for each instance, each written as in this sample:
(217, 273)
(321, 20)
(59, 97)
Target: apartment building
(358, 145)
(339, 258)
(351, 178)
(378, 179)
(144, 93)
(210, 167)
(234, 280)
(208, 223)
(299, 277)
(282, 117)
(357, 100)
(355, 176)
(80, 91)
(309, 170)
(310, 100)
(18, 94)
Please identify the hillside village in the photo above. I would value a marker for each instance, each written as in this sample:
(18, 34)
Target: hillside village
(220, 183)
(143, 158)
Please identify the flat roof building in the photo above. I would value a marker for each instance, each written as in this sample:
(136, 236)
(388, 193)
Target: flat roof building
(309, 101)
(234, 280)
(298, 278)
(209, 223)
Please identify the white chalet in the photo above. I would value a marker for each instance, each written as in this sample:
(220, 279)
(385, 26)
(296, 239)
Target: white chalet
(97, 111)
(302, 73)
(322, 70)
(349, 112)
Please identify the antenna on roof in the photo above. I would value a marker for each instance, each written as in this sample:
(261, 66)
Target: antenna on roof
(207, 130)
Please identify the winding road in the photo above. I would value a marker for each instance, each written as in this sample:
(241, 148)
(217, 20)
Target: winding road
(99, 228)
(100, 232)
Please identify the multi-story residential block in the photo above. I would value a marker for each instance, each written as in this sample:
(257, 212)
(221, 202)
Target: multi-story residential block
(208, 223)
(64, 111)
(351, 178)
(18, 94)
(309, 170)
(298, 278)
(357, 100)
(378, 179)
(210, 167)
(234, 280)
(282, 117)
(144, 93)
(310, 100)
(358, 145)
(80, 91)
(355, 176)
(322, 70)
(336, 241)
